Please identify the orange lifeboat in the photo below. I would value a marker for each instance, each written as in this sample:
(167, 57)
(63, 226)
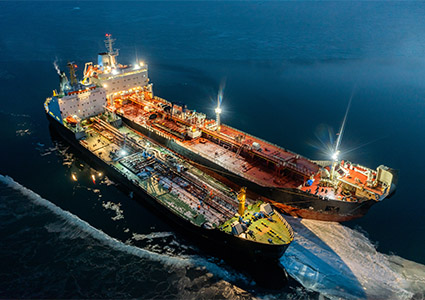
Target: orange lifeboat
(71, 120)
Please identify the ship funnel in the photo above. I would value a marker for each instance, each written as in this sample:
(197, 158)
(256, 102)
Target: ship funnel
(104, 60)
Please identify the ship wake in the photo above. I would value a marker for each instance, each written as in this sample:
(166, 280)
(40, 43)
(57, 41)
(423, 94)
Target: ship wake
(340, 262)
(83, 229)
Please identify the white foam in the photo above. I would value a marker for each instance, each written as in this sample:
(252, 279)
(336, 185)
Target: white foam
(114, 207)
(340, 262)
(23, 132)
(107, 181)
(174, 261)
(151, 236)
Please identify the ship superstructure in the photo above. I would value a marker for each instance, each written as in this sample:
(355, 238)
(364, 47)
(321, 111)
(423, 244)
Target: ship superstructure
(113, 76)
(154, 174)
(326, 190)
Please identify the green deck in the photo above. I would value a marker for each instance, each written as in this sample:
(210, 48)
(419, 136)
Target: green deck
(263, 229)
(170, 200)
(149, 185)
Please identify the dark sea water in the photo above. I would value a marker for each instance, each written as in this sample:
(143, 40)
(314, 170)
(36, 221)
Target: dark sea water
(289, 69)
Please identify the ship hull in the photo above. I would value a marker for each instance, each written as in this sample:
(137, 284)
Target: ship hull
(211, 238)
(290, 201)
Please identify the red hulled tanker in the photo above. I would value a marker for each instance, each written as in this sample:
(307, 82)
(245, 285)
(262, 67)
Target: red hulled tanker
(323, 190)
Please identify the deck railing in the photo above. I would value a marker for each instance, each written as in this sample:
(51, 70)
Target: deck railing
(290, 230)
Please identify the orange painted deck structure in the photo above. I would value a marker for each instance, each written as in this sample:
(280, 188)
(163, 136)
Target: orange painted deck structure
(266, 164)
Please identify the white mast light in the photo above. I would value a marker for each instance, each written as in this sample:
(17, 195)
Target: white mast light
(335, 155)
(218, 110)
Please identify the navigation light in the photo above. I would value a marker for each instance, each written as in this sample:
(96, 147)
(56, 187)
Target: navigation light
(335, 155)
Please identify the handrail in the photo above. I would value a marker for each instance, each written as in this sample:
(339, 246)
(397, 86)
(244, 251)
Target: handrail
(289, 227)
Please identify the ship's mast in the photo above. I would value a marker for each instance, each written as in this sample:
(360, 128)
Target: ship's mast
(113, 53)
(72, 76)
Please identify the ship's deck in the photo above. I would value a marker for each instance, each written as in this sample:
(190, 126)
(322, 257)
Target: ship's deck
(268, 150)
(190, 193)
(239, 165)
(265, 229)
(158, 186)
(354, 178)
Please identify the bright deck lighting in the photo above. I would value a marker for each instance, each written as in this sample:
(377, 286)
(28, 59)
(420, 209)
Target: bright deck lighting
(335, 155)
